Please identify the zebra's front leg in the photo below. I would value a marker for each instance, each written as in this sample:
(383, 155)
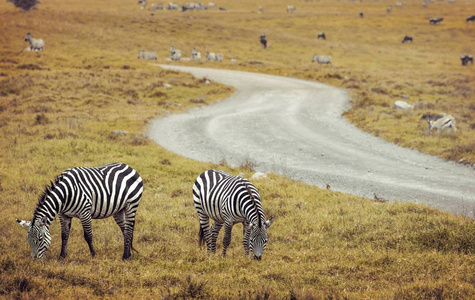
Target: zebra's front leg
(65, 228)
(227, 237)
(86, 222)
(246, 233)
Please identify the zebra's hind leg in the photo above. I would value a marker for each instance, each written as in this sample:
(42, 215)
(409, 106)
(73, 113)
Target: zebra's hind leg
(128, 231)
(227, 237)
(246, 233)
(205, 234)
(214, 234)
(86, 222)
(65, 227)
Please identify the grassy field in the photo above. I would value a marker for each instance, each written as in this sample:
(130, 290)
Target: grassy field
(59, 108)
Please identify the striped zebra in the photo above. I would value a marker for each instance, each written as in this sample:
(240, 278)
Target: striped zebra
(446, 123)
(148, 55)
(175, 54)
(35, 44)
(322, 59)
(86, 193)
(229, 200)
(211, 56)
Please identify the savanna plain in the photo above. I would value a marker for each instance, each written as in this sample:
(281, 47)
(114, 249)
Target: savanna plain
(62, 107)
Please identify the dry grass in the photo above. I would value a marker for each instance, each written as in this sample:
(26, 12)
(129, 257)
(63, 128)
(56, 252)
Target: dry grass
(59, 108)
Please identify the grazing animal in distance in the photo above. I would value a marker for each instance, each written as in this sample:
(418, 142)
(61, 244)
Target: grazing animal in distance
(322, 59)
(228, 200)
(175, 54)
(263, 40)
(361, 14)
(389, 9)
(435, 21)
(147, 55)
(465, 59)
(471, 18)
(444, 124)
(321, 35)
(195, 55)
(407, 38)
(35, 44)
(86, 193)
(210, 56)
(291, 8)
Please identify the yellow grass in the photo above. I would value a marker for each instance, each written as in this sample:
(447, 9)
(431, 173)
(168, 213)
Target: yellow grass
(58, 109)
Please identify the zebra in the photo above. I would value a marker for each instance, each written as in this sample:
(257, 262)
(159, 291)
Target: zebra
(407, 38)
(210, 56)
(291, 8)
(86, 193)
(322, 59)
(195, 55)
(174, 53)
(228, 200)
(35, 44)
(321, 35)
(389, 9)
(471, 18)
(465, 59)
(445, 123)
(263, 40)
(435, 21)
(147, 55)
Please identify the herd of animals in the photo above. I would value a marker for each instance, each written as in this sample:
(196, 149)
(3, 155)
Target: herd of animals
(115, 190)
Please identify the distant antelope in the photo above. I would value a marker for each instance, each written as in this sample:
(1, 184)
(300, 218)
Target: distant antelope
(446, 123)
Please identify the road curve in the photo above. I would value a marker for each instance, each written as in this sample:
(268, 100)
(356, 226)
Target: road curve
(295, 128)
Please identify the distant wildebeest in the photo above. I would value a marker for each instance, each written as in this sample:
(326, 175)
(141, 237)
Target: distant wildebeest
(361, 14)
(195, 55)
(471, 18)
(147, 55)
(321, 35)
(210, 56)
(389, 9)
(322, 59)
(174, 53)
(465, 59)
(446, 123)
(435, 21)
(35, 44)
(291, 8)
(263, 40)
(407, 38)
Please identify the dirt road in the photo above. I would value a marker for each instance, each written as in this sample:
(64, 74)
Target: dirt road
(294, 127)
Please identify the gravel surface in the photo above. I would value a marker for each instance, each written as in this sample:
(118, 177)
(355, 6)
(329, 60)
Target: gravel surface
(295, 128)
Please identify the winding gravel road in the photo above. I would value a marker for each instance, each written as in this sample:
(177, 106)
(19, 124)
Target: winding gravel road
(295, 128)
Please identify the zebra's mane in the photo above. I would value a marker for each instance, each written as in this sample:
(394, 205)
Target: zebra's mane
(46, 192)
(255, 205)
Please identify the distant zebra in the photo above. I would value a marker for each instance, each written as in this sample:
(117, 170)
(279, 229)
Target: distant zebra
(228, 200)
(210, 56)
(446, 123)
(86, 193)
(465, 59)
(195, 55)
(407, 38)
(291, 8)
(471, 18)
(389, 9)
(435, 21)
(35, 44)
(174, 53)
(147, 55)
(263, 40)
(322, 59)
(321, 35)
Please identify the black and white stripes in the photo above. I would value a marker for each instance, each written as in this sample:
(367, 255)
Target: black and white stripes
(228, 200)
(87, 193)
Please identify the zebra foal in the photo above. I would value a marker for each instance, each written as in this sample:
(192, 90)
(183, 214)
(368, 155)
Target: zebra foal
(228, 200)
(86, 193)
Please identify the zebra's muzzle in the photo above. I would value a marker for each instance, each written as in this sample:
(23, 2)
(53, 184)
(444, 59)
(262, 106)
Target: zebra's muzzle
(257, 257)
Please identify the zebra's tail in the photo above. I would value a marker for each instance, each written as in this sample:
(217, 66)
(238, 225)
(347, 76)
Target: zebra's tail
(202, 237)
(132, 247)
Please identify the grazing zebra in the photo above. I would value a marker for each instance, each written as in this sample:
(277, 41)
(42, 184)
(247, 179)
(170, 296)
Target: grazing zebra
(435, 21)
(446, 123)
(228, 200)
(291, 8)
(147, 55)
(35, 44)
(321, 35)
(407, 38)
(322, 59)
(210, 56)
(263, 40)
(195, 55)
(471, 18)
(174, 53)
(86, 193)
(465, 59)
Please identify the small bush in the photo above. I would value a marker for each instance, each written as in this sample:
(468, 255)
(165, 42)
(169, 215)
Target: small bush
(25, 4)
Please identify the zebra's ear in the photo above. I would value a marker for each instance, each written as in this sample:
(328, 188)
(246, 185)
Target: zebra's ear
(24, 223)
(269, 222)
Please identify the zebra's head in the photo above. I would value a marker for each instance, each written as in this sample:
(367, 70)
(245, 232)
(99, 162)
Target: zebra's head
(258, 238)
(38, 236)
(28, 37)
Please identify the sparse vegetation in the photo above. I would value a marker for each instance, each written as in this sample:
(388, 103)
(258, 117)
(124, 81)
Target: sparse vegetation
(58, 109)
